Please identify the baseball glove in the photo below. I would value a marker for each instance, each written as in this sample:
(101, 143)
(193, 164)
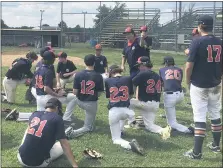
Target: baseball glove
(165, 134)
(7, 110)
(61, 91)
(27, 82)
(90, 153)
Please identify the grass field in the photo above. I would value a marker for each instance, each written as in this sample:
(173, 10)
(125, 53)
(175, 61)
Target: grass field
(159, 153)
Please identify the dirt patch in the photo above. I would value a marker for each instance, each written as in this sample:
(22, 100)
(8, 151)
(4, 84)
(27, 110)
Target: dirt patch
(8, 59)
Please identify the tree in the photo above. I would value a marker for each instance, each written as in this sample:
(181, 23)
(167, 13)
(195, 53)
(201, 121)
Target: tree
(188, 17)
(3, 25)
(25, 27)
(103, 12)
(77, 28)
(46, 25)
(64, 26)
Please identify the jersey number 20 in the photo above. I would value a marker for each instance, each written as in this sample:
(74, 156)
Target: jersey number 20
(36, 121)
(212, 48)
(87, 90)
(114, 92)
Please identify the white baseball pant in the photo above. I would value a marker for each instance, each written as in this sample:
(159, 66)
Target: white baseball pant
(33, 91)
(205, 100)
(170, 101)
(117, 117)
(10, 86)
(69, 100)
(63, 82)
(55, 152)
(148, 111)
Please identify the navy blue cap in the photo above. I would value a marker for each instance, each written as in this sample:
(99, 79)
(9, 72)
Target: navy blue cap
(48, 55)
(43, 50)
(205, 20)
(168, 59)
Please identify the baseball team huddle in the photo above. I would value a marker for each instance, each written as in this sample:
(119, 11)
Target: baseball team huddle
(46, 138)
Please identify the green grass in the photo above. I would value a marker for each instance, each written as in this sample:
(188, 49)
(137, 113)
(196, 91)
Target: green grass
(159, 153)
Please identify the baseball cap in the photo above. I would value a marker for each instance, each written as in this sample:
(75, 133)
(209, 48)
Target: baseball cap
(112, 68)
(205, 20)
(168, 59)
(62, 55)
(143, 28)
(98, 47)
(48, 55)
(144, 60)
(52, 103)
(128, 30)
(89, 59)
(47, 48)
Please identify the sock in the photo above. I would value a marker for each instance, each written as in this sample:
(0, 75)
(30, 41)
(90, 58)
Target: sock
(216, 128)
(199, 134)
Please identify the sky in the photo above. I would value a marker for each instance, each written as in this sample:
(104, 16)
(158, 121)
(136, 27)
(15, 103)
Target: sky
(16, 14)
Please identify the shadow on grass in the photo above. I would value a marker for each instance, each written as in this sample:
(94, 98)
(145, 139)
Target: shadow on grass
(60, 162)
(7, 142)
(86, 162)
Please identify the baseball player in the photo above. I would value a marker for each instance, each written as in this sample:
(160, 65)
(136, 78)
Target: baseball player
(132, 51)
(101, 63)
(17, 74)
(119, 90)
(39, 146)
(171, 77)
(195, 34)
(88, 85)
(145, 40)
(204, 75)
(44, 85)
(65, 70)
(149, 92)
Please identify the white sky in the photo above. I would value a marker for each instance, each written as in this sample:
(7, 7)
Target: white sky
(17, 14)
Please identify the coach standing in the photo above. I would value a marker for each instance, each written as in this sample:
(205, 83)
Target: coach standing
(204, 75)
(65, 70)
(134, 48)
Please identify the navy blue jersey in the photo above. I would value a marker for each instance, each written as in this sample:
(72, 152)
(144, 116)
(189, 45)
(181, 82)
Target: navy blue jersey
(100, 64)
(132, 51)
(206, 54)
(65, 68)
(88, 83)
(43, 77)
(149, 84)
(40, 63)
(20, 69)
(44, 129)
(171, 78)
(118, 90)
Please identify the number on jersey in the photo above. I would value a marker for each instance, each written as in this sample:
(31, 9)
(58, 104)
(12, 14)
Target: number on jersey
(212, 48)
(36, 121)
(114, 92)
(87, 87)
(173, 74)
(153, 86)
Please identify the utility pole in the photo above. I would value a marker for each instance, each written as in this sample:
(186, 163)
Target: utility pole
(99, 34)
(214, 18)
(180, 8)
(84, 26)
(61, 26)
(144, 9)
(176, 47)
(41, 18)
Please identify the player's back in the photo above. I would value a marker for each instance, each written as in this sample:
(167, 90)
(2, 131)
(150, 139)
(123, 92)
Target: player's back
(149, 85)
(41, 136)
(118, 90)
(207, 70)
(172, 78)
(88, 83)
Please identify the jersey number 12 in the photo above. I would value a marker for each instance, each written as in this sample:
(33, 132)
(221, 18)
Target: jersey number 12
(212, 48)
(87, 90)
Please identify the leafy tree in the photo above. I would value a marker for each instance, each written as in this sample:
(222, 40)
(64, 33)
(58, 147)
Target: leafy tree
(3, 25)
(103, 12)
(64, 25)
(46, 25)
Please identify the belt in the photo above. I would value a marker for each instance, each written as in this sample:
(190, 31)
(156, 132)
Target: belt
(169, 92)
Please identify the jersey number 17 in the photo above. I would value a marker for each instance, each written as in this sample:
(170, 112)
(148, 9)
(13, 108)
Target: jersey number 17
(212, 48)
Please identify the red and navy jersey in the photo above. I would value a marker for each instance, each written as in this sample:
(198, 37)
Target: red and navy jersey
(20, 69)
(171, 78)
(149, 84)
(100, 64)
(118, 90)
(45, 128)
(88, 83)
(40, 63)
(44, 77)
(206, 54)
(132, 51)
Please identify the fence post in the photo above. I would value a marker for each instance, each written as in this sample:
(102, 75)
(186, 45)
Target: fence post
(13, 40)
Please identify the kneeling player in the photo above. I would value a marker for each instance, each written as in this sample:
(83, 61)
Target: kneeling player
(149, 92)
(172, 78)
(39, 146)
(119, 89)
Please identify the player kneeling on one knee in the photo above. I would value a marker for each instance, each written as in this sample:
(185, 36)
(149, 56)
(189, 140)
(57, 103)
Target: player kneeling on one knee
(44, 85)
(171, 79)
(119, 90)
(39, 146)
(88, 85)
(17, 74)
(149, 92)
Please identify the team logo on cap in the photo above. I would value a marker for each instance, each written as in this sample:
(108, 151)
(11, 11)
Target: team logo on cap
(67, 70)
(133, 48)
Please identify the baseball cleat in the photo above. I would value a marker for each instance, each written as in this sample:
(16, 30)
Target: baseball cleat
(191, 130)
(12, 115)
(135, 147)
(165, 133)
(133, 125)
(215, 149)
(68, 132)
(190, 154)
